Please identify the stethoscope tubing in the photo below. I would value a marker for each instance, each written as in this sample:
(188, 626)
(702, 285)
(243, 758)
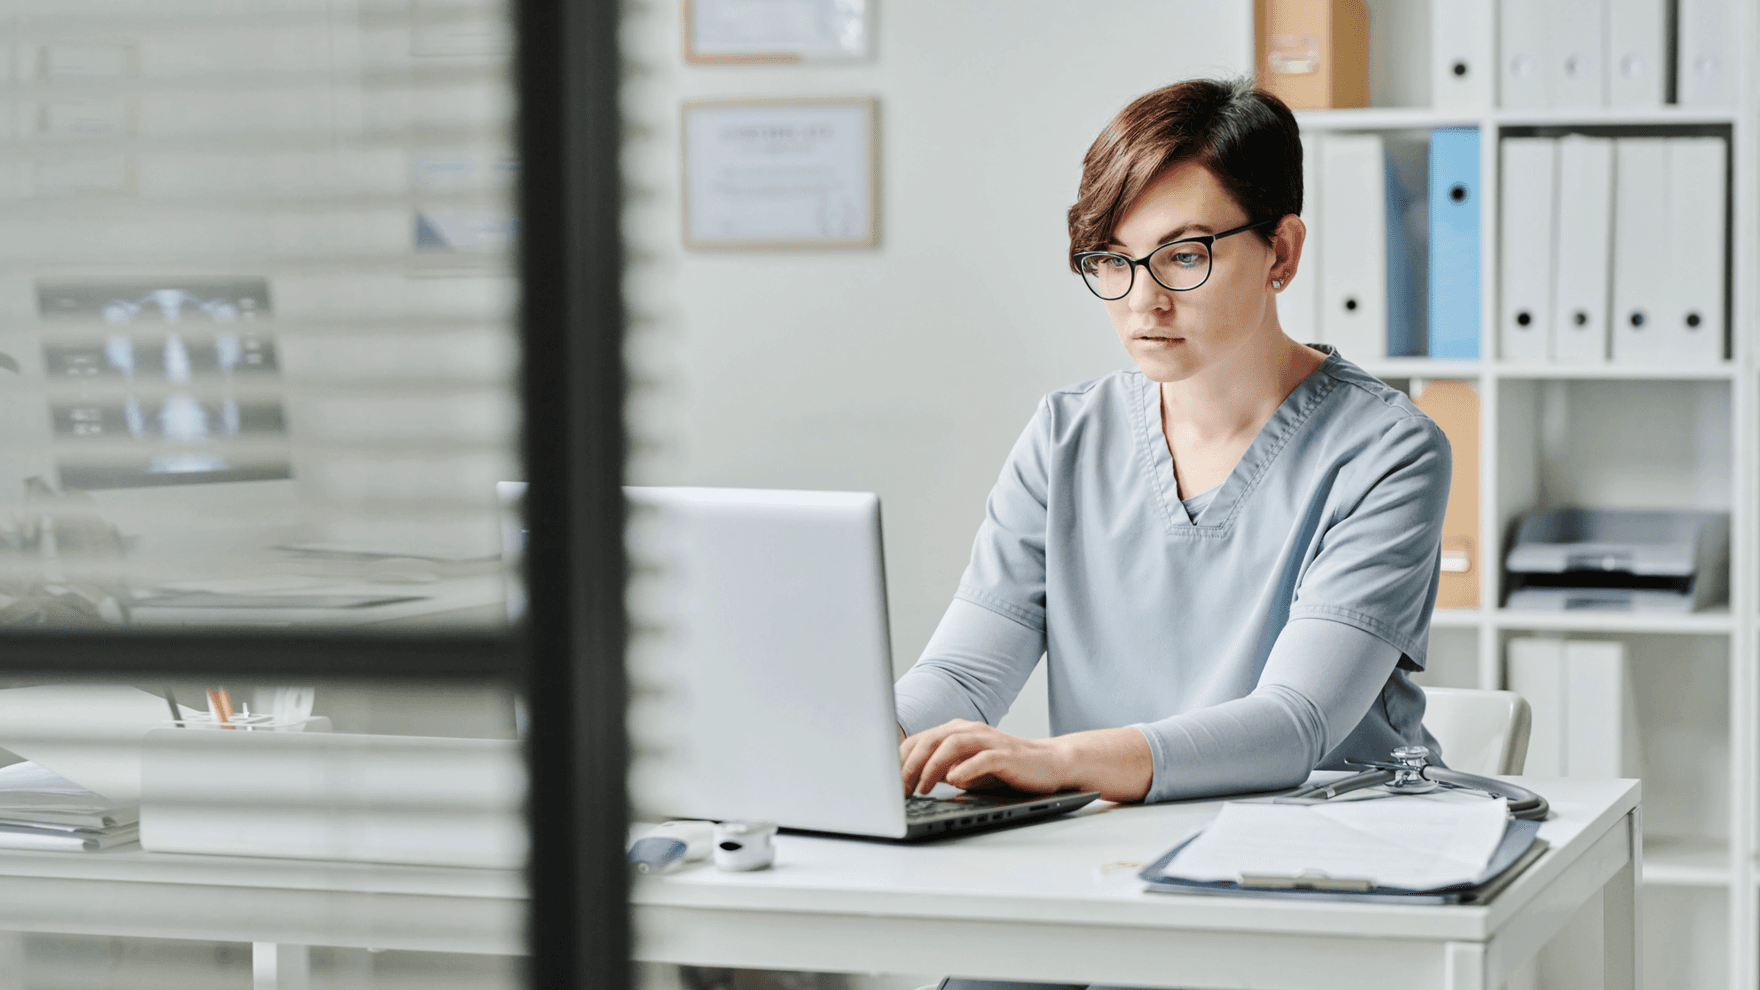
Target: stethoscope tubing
(1523, 803)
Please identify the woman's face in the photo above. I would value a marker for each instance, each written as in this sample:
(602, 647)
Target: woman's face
(1173, 335)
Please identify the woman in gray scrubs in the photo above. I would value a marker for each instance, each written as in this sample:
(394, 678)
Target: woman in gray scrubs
(1228, 553)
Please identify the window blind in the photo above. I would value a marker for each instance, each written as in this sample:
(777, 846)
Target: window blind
(257, 311)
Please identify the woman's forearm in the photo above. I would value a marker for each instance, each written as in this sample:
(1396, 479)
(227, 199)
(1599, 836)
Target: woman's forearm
(1319, 682)
(1321, 678)
(972, 669)
(1115, 762)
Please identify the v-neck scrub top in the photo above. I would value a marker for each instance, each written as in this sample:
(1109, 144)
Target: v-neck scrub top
(1326, 536)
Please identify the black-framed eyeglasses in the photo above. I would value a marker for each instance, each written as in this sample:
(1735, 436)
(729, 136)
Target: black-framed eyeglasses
(1178, 266)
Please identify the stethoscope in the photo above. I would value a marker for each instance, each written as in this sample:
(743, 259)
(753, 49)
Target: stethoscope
(1411, 773)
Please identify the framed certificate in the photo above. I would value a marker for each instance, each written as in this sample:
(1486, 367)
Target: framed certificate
(737, 31)
(781, 174)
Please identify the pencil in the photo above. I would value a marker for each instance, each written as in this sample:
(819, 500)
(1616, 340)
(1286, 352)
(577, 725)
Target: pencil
(171, 702)
(220, 703)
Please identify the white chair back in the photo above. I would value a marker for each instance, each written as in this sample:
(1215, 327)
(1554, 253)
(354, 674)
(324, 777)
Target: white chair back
(1482, 732)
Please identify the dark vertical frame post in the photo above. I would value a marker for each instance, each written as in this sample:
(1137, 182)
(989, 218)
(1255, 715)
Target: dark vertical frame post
(570, 259)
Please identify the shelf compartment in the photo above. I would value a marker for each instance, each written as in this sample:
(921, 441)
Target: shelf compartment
(1386, 119)
(1422, 367)
(1723, 370)
(1712, 622)
(1685, 861)
(1686, 937)
(1425, 118)
(1678, 717)
(1605, 443)
(1457, 618)
(1614, 116)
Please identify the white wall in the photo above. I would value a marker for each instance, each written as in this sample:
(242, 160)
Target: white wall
(908, 369)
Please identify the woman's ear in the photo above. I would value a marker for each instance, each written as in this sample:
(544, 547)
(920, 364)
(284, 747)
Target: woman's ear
(1286, 249)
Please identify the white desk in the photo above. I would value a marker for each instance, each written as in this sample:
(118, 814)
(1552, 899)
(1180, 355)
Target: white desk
(281, 906)
(1031, 903)
(1037, 903)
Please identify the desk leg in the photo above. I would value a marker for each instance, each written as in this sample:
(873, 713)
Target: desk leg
(280, 967)
(1464, 967)
(1621, 941)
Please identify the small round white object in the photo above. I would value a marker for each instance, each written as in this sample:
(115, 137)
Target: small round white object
(744, 845)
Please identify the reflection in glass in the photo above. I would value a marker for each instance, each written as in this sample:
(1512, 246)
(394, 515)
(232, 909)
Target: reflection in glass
(257, 349)
(256, 313)
(183, 386)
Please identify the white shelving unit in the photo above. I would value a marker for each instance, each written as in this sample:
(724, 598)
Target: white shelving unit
(1699, 695)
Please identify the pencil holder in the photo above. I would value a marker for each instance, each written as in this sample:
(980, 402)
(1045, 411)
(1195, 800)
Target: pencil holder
(744, 845)
(250, 723)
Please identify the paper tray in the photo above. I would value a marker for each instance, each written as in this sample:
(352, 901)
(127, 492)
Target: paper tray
(1652, 542)
(1672, 561)
(1521, 846)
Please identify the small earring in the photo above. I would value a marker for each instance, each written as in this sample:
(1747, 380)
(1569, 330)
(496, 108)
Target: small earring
(1275, 284)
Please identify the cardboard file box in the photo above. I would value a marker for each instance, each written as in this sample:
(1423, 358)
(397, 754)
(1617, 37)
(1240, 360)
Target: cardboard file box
(1454, 406)
(1313, 54)
(1654, 560)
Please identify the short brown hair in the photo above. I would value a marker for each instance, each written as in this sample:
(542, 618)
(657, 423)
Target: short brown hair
(1246, 137)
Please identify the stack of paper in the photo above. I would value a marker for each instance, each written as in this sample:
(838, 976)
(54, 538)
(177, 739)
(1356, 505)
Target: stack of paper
(1394, 844)
(46, 811)
(81, 787)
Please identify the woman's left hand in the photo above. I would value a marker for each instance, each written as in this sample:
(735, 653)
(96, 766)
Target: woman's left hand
(973, 756)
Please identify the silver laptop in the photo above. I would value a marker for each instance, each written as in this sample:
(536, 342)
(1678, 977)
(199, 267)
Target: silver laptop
(772, 678)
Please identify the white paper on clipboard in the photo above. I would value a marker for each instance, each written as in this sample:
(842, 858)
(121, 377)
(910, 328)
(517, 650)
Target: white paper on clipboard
(1407, 843)
(777, 29)
(782, 174)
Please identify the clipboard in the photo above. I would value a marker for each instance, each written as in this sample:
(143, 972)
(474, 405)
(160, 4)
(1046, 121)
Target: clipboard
(1520, 847)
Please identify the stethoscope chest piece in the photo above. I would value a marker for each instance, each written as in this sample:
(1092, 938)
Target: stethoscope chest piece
(1408, 772)
(1411, 773)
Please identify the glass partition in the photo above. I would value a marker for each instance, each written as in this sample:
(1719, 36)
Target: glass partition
(263, 633)
(257, 322)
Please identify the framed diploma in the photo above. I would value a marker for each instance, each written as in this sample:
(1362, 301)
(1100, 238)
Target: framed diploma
(781, 174)
(736, 31)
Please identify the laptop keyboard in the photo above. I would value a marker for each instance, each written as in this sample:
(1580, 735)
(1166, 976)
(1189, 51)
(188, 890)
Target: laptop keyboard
(918, 807)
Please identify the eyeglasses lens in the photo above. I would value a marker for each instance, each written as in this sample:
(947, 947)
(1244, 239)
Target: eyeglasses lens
(1181, 265)
(1108, 275)
(1178, 266)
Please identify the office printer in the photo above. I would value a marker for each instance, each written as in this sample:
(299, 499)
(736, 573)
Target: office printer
(1633, 560)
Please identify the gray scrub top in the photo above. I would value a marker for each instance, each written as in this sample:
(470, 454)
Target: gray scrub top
(1147, 610)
